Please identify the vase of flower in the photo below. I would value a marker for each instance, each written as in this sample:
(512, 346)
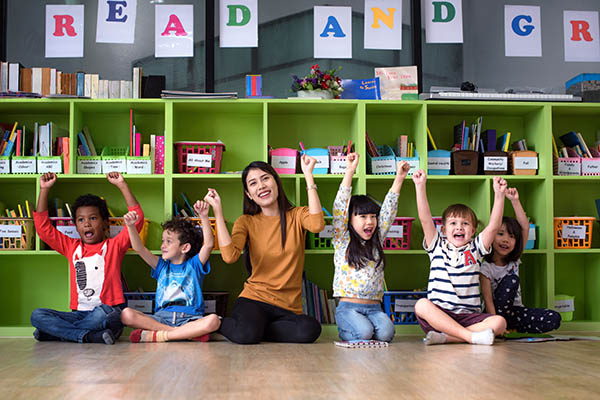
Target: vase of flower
(318, 84)
(315, 94)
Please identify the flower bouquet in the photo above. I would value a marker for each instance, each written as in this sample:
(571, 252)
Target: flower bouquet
(320, 84)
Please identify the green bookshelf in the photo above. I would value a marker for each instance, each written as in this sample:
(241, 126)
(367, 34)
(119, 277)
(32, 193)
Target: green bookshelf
(40, 277)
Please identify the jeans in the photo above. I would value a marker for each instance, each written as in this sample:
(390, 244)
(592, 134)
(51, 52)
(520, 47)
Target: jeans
(172, 318)
(72, 326)
(363, 322)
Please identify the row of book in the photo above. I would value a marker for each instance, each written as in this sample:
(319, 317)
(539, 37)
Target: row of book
(50, 82)
(575, 146)
(404, 147)
(46, 140)
(316, 304)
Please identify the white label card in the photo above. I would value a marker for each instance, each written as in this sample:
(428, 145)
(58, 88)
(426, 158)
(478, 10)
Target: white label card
(574, 231)
(199, 160)
(322, 161)
(526, 163)
(11, 231)
(69, 230)
(564, 305)
(139, 166)
(405, 305)
(590, 166)
(569, 167)
(327, 232)
(338, 167)
(438, 163)
(210, 306)
(89, 166)
(380, 166)
(396, 231)
(23, 166)
(4, 166)
(49, 166)
(114, 165)
(283, 162)
(495, 163)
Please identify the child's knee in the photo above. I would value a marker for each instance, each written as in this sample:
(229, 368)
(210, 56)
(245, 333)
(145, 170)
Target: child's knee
(127, 316)
(422, 306)
(498, 324)
(213, 322)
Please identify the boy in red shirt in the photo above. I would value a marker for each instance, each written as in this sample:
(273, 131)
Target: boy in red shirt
(95, 268)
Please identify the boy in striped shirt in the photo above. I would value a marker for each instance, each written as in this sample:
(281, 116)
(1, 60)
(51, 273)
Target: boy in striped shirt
(452, 311)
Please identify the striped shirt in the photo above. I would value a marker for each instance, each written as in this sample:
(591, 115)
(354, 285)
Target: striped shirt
(454, 274)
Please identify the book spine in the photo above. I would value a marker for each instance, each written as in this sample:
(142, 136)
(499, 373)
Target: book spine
(80, 82)
(159, 165)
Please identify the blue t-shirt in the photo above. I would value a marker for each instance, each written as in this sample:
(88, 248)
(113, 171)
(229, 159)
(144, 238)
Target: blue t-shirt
(180, 284)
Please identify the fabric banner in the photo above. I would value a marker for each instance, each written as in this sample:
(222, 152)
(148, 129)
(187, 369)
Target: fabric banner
(522, 31)
(116, 21)
(64, 31)
(332, 32)
(238, 25)
(174, 31)
(581, 36)
(383, 24)
(443, 21)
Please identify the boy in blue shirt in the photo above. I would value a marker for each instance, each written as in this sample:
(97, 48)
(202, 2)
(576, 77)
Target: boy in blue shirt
(179, 273)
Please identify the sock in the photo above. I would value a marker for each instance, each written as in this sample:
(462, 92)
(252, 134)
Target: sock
(144, 336)
(42, 336)
(105, 336)
(115, 325)
(434, 337)
(484, 337)
(203, 338)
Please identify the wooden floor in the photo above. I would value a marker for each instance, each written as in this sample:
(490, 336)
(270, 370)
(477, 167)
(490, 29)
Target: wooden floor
(221, 370)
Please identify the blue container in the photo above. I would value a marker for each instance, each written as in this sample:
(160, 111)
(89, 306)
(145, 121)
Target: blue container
(322, 157)
(399, 305)
(530, 238)
(413, 161)
(385, 164)
(438, 162)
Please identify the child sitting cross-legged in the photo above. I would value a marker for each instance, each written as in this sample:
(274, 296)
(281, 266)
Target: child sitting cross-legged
(179, 273)
(452, 310)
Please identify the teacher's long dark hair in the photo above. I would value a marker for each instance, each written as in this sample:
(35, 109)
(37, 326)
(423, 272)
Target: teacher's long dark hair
(251, 208)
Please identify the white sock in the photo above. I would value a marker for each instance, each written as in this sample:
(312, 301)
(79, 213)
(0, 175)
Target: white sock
(484, 337)
(434, 337)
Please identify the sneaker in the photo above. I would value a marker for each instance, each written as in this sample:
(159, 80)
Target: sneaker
(41, 336)
(105, 336)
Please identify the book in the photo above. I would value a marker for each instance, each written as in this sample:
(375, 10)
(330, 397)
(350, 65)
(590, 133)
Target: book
(402, 146)
(87, 85)
(52, 83)
(398, 83)
(131, 132)
(459, 134)
(36, 80)
(25, 84)
(89, 141)
(114, 89)
(83, 145)
(153, 85)
(363, 89)
(46, 80)
(159, 164)
(489, 139)
(174, 94)
(59, 82)
(80, 83)
(137, 82)
(14, 70)
(94, 83)
(361, 344)
(138, 144)
(3, 76)
(66, 153)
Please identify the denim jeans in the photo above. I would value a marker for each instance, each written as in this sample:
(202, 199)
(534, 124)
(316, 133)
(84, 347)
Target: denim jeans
(172, 318)
(363, 322)
(72, 326)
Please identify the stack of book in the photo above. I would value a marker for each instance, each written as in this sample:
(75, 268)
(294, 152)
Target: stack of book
(182, 94)
(316, 304)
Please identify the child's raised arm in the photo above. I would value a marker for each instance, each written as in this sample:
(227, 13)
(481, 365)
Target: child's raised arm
(351, 165)
(136, 242)
(513, 195)
(201, 208)
(214, 200)
(307, 164)
(402, 168)
(46, 182)
(420, 178)
(117, 179)
(489, 232)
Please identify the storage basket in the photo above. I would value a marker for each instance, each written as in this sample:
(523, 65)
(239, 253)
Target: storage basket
(590, 166)
(141, 301)
(215, 303)
(400, 306)
(398, 237)
(322, 157)
(117, 224)
(321, 240)
(284, 160)
(114, 159)
(17, 234)
(385, 164)
(495, 163)
(438, 162)
(199, 157)
(66, 226)
(213, 226)
(465, 162)
(523, 162)
(4, 165)
(573, 232)
(566, 166)
(337, 159)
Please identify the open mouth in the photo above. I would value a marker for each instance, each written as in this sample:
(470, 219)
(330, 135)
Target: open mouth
(265, 194)
(503, 247)
(88, 234)
(459, 236)
(368, 231)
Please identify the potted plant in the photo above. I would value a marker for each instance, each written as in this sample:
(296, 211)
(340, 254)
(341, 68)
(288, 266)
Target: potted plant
(318, 84)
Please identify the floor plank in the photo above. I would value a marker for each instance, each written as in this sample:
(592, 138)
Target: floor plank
(221, 370)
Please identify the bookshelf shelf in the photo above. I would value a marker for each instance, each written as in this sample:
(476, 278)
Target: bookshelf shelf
(40, 278)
